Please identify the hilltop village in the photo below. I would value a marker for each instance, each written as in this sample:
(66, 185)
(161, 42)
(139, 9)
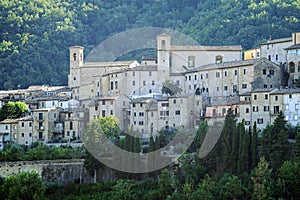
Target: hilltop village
(256, 84)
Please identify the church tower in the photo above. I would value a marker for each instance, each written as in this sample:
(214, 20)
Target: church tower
(76, 62)
(163, 55)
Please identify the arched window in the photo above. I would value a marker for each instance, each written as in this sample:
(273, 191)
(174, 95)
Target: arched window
(292, 67)
(219, 59)
(74, 56)
(163, 44)
(197, 91)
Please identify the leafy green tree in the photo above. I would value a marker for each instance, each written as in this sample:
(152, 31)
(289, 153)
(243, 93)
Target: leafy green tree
(13, 110)
(289, 174)
(207, 189)
(166, 184)
(13, 152)
(25, 185)
(170, 88)
(262, 181)
(232, 189)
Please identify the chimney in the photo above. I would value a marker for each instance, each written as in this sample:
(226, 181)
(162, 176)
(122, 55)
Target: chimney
(296, 38)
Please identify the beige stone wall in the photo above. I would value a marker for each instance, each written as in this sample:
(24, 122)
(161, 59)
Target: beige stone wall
(25, 133)
(260, 107)
(275, 49)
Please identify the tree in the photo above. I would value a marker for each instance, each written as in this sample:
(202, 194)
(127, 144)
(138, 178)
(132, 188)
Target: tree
(289, 174)
(25, 185)
(170, 88)
(166, 184)
(254, 146)
(13, 110)
(200, 135)
(232, 189)
(262, 181)
(207, 189)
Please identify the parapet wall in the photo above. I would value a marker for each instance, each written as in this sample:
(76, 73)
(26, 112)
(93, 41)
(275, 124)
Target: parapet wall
(62, 171)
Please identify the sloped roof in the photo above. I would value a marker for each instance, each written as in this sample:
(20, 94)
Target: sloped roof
(207, 48)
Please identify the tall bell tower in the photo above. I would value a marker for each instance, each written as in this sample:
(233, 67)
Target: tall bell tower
(76, 62)
(163, 55)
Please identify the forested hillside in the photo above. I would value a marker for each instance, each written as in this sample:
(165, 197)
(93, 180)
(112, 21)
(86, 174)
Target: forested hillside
(36, 34)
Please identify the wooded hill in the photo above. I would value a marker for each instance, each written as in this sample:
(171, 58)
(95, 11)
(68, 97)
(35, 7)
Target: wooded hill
(36, 34)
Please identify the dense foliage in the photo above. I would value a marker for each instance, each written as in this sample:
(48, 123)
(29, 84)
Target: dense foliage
(242, 165)
(35, 35)
(38, 151)
(13, 110)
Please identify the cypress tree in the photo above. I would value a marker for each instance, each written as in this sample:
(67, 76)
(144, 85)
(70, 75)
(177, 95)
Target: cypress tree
(235, 148)
(254, 147)
(226, 141)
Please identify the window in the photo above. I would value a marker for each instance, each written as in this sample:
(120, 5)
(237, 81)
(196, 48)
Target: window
(219, 59)
(245, 71)
(276, 98)
(177, 112)
(255, 109)
(74, 56)
(276, 57)
(287, 106)
(23, 134)
(30, 134)
(269, 57)
(234, 88)
(144, 82)
(235, 72)
(290, 96)
(111, 112)
(116, 85)
(264, 72)
(54, 115)
(276, 110)
(201, 76)
(247, 110)
(153, 82)
(103, 113)
(255, 97)
(133, 83)
(71, 125)
(217, 74)
(141, 114)
(260, 120)
(225, 87)
(195, 77)
(40, 135)
(22, 124)
(141, 123)
(30, 124)
(244, 86)
(174, 101)
(141, 104)
(96, 108)
(206, 75)
(41, 116)
(217, 89)
(152, 114)
(266, 97)
(247, 98)
(103, 102)
(225, 73)
(296, 106)
(295, 117)
(271, 72)
(190, 78)
(265, 86)
(133, 105)
(191, 61)
(133, 73)
(266, 108)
